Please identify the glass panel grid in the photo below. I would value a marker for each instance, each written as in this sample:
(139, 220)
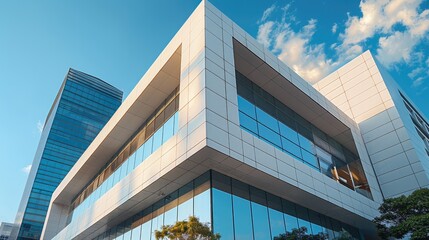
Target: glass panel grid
(127, 161)
(273, 122)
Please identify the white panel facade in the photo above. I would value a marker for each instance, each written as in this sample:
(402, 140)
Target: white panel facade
(367, 94)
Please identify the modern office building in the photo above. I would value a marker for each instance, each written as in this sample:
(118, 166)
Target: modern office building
(394, 131)
(83, 105)
(6, 230)
(220, 128)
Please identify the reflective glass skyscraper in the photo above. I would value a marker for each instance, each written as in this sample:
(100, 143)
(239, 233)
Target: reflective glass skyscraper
(81, 109)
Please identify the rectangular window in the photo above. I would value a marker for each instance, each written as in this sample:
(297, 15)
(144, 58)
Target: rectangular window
(288, 133)
(157, 140)
(248, 123)
(267, 120)
(291, 148)
(222, 214)
(243, 227)
(147, 148)
(310, 159)
(186, 203)
(269, 135)
(261, 225)
(246, 107)
(168, 129)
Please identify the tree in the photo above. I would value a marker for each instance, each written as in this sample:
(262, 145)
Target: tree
(300, 234)
(405, 215)
(344, 235)
(192, 229)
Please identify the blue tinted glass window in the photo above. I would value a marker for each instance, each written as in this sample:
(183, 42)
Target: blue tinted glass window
(290, 147)
(157, 140)
(222, 214)
(135, 233)
(305, 143)
(127, 235)
(325, 162)
(288, 133)
(289, 214)
(267, 120)
(157, 223)
(248, 123)
(275, 213)
(276, 222)
(147, 148)
(109, 182)
(269, 135)
(261, 225)
(243, 219)
(115, 177)
(103, 188)
(146, 230)
(170, 216)
(139, 156)
(130, 163)
(186, 202)
(168, 129)
(246, 107)
(303, 220)
(310, 159)
(123, 170)
(202, 206)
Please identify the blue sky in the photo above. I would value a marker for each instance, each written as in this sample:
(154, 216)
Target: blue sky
(118, 41)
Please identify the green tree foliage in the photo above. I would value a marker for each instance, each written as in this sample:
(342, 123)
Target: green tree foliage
(192, 229)
(300, 234)
(403, 215)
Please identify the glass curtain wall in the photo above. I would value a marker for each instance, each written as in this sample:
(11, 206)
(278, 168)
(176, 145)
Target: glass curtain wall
(237, 210)
(159, 128)
(270, 120)
(193, 199)
(85, 104)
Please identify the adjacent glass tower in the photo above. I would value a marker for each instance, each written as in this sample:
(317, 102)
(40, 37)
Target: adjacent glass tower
(82, 107)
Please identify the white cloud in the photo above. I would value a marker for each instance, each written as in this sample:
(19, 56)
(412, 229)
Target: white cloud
(379, 18)
(334, 28)
(294, 47)
(418, 82)
(40, 126)
(396, 27)
(264, 33)
(395, 48)
(267, 13)
(26, 169)
(418, 76)
(415, 72)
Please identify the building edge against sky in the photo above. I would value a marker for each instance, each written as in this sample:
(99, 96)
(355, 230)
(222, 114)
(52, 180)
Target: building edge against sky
(81, 108)
(394, 131)
(195, 112)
